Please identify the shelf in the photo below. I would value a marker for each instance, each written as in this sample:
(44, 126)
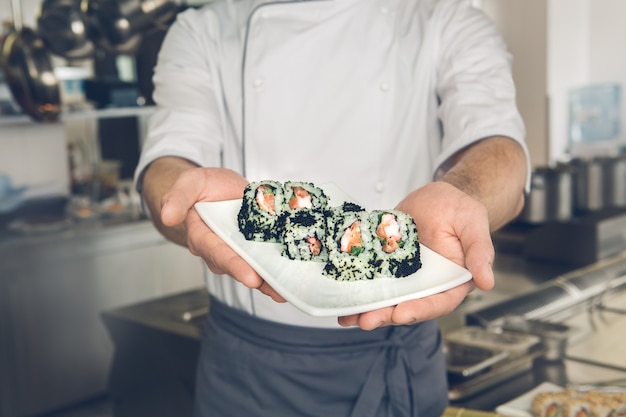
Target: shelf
(113, 112)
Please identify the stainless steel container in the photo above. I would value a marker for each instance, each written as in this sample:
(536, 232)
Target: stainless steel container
(535, 209)
(589, 184)
(562, 193)
(554, 336)
(551, 196)
(614, 181)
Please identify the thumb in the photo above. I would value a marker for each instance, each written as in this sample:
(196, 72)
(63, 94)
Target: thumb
(479, 256)
(177, 202)
(479, 252)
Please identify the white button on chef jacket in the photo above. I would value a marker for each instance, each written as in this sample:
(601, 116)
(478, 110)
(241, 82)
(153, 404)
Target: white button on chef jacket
(372, 95)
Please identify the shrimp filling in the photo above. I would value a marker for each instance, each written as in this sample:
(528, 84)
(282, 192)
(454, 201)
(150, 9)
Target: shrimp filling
(388, 231)
(265, 199)
(351, 240)
(315, 246)
(300, 199)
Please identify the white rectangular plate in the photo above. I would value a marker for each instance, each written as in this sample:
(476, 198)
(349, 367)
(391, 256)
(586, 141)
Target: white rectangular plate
(302, 284)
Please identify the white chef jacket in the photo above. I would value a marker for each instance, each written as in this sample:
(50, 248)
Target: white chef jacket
(372, 95)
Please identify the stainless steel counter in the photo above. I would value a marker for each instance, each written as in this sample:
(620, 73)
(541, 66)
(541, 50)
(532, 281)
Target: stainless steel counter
(54, 349)
(596, 351)
(514, 275)
(74, 240)
(38, 273)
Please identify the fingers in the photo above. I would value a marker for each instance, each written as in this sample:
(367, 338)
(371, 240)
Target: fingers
(221, 259)
(370, 320)
(232, 264)
(177, 212)
(266, 289)
(409, 312)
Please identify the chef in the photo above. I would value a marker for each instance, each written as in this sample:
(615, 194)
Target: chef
(402, 104)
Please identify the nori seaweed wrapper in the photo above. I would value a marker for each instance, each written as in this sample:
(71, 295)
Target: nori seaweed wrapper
(405, 259)
(357, 264)
(255, 222)
(314, 196)
(304, 235)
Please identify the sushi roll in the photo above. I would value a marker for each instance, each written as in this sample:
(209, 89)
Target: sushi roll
(304, 234)
(577, 407)
(303, 195)
(336, 213)
(608, 406)
(548, 404)
(573, 403)
(261, 208)
(349, 244)
(395, 243)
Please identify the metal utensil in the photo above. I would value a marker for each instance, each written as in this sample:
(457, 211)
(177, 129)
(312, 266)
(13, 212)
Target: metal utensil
(63, 27)
(29, 72)
(122, 20)
(481, 366)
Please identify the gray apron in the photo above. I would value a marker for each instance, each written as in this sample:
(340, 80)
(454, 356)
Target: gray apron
(252, 367)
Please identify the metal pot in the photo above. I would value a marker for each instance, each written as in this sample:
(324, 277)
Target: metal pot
(535, 209)
(554, 336)
(551, 196)
(589, 184)
(121, 21)
(29, 72)
(63, 27)
(93, 18)
(562, 184)
(614, 181)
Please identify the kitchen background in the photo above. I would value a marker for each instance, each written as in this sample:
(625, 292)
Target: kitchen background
(73, 244)
(559, 46)
(71, 293)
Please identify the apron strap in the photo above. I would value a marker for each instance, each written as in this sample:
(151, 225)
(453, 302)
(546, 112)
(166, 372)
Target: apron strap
(389, 374)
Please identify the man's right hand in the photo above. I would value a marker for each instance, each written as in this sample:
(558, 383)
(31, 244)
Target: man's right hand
(171, 188)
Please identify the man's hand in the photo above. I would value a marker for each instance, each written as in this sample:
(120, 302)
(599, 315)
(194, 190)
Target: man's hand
(479, 190)
(454, 225)
(181, 185)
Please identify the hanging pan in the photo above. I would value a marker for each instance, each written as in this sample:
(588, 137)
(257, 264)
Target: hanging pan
(118, 25)
(63, 28)
(122, 19)
(97, 23)
(29, 72)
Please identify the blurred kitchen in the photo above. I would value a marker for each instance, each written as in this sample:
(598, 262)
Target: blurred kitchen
(100, 316)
